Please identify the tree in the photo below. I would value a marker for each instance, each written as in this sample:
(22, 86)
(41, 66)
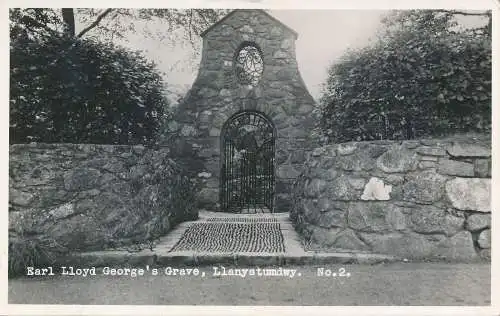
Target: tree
(72, 87)
(100, 93)
(422, 77)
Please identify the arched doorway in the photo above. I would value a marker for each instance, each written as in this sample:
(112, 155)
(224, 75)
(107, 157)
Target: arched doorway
(247, 163)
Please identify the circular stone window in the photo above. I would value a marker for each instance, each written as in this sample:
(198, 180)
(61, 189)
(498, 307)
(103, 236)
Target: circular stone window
(249, 64)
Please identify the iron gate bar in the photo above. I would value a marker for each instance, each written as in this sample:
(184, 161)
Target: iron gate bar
(247, 163)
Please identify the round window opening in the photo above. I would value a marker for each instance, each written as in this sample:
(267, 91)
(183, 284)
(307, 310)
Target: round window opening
(249, 65)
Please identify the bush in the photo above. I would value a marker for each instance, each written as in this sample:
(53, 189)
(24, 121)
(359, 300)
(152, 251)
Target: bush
(419, 79)
(83, 91)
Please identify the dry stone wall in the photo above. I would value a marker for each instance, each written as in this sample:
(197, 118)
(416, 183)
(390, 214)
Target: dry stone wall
(415, 199)
(91, 197)
(217, 94)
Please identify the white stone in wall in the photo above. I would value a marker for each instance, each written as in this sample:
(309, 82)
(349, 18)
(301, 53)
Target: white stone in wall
(375, 189)
(470, 194)
(280, 54)
(246, 29)
(346, 149)
(63, 210)
(205, 175)
(188, 130)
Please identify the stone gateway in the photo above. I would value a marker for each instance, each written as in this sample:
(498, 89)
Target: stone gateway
(241, 141)
(248, 68)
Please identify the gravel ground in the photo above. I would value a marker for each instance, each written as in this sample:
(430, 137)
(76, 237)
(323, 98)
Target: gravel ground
(389, 284)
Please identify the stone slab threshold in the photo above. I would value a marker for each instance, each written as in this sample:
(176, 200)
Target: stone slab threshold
(187, 258)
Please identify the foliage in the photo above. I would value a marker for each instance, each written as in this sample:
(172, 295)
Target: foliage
(93, 93)
(30, 251)
(422, 77)
(71, 88)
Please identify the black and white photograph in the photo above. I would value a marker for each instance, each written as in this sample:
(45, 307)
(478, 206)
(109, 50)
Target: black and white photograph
(250, 156)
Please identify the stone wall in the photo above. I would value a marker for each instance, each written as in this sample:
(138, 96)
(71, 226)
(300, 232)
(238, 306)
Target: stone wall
(217, 94)
(91, 197)
(415, 199)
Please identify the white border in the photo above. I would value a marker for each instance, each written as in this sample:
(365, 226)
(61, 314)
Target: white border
(261, 310)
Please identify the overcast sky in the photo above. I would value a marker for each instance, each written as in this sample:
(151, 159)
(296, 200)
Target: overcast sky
(324, 35)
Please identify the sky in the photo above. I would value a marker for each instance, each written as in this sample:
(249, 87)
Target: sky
(324, 35)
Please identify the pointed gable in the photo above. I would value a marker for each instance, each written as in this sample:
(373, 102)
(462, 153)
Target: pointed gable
(263, 12)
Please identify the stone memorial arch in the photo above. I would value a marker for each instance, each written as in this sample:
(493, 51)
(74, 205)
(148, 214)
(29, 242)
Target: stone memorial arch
(247, 120)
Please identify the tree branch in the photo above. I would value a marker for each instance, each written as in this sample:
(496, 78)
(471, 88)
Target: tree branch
(29, 20)
(95, 23)
(462, 12)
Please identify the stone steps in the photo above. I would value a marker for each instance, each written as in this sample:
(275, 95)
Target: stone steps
(162, 254)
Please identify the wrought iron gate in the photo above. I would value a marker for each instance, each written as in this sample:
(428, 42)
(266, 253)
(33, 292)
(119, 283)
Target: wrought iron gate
(247, 163)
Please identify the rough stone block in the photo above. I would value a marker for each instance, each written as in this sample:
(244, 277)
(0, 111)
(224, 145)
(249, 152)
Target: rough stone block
(81, 179)
(347, 239)
(471, 194)
(214, 132)
(458, 149)
(397, 159)
(427, 164)
(315, 187)
(368, 217)
(460, 247)
(358, 161)
(429, 158)
(346, 149)
(320, 173)
(188, 131)
(283, 203)
(287, 172)
(485, 239)
(208, 197)
(341, 189)
(482, 168)
(62, 211)
(485, 254)
(410, 246)
(318, 151)
(477, 222)
(375, 189)
(357, 183)
(394, 179)
(455, 168)
(334, 218)
(425, 187)
(19, 197)
(430, 219)
(431, 151)
(325, 236)
(283, 187)
(298, 156)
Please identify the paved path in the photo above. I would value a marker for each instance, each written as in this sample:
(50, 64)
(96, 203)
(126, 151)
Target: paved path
(389, 284)
(291, 240)
(242, 239)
